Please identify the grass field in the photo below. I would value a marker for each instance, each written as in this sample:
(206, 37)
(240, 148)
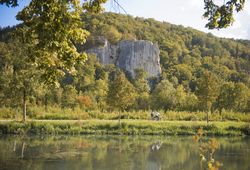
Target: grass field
(126, 127)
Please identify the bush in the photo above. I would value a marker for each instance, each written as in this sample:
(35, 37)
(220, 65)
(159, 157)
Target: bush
(7, 113)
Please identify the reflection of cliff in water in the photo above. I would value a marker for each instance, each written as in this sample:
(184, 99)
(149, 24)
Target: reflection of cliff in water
(115, 152)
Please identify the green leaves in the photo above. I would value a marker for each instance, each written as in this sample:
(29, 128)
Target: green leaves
(221, 16)
(207, 91)
(93, 6)
(121, 92)
(54, 26)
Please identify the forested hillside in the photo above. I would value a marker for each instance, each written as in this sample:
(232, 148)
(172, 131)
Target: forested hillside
(199, 71)
(228, 58)
(186, 54)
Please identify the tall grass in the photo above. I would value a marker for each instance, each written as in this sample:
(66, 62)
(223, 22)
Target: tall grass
(127, 127)
(56, 113)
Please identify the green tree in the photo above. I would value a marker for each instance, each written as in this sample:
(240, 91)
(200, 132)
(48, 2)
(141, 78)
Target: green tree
(221, 16)
(180, 98)
(233, 97)
(93, 6)
(84, 78)
(91, 79)
(69, 97)
(53, 27)
(19, 75)
(183, 72)
(53, 95)
(101, 92)
(207, 91)
(5, 72)
(242, 95)
(142, 88)
(163, 95)
(112, 34)
(226, 97)
(191, 102)
(121, 93)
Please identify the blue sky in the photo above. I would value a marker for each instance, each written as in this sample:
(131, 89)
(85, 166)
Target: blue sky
(180, 12)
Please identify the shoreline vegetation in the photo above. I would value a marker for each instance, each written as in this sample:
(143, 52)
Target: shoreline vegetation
(55, 120)
(57, 113)
(126, 127)
(80, 122)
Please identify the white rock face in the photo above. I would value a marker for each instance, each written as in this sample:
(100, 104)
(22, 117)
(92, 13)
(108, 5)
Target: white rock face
(131, 55)
(106, 54)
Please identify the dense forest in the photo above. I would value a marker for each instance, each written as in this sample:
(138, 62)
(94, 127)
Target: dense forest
(200, 72)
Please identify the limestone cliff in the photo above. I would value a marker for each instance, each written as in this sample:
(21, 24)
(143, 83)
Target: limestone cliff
(130, 55)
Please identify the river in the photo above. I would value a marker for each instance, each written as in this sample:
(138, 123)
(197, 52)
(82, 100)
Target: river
(117, 153)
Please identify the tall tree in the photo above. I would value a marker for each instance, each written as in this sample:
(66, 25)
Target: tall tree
(21, 77)
(242, 95)
(121, 93)
(180, 98)
(226, 97)
(163, 95)
(69, 97)
(53, 27)
(6, 72)
(207, 91)
(142, 88)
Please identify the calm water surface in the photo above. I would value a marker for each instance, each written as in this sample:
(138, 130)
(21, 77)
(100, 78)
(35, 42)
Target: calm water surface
(116, 153)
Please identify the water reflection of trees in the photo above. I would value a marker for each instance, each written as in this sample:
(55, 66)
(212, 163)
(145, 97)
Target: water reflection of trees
(109, 152)
(207, 148)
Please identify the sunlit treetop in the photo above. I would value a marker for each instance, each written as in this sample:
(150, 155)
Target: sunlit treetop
(93, 6)
(53, 28)
(221, 16)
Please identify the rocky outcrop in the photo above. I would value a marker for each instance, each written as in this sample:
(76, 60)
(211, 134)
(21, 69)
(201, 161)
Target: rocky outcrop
(131, 55)
(107, 54)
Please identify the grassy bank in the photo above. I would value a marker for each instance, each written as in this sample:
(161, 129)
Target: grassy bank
(127, 127)
(56, 113)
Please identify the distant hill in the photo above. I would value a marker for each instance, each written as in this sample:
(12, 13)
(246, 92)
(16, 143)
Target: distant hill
(184, 52)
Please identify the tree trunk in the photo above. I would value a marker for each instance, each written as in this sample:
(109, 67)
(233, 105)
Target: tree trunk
(16, 117)
(24, 105)
(14, 148)
(209, 107)
(46, 102)
(207, 117)
(23, 149)
(119, 118)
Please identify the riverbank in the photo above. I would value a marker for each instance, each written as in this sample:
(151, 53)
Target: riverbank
(127, 127)
(57, 113)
